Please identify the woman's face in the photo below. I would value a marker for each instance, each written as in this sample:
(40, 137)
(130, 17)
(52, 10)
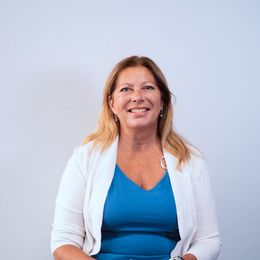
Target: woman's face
(136, 99)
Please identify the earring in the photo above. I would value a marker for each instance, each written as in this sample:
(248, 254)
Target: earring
(161, 114)
(115, 117)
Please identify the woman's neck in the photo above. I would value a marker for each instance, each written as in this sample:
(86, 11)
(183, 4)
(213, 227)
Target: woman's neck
(138, 140)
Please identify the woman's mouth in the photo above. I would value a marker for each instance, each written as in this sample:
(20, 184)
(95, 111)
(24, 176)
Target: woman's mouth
(138, 110)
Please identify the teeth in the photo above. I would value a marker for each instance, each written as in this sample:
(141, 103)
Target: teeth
(138, 110)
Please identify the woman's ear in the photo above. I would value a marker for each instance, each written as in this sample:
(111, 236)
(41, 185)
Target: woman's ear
(111, 103)
(161, 106)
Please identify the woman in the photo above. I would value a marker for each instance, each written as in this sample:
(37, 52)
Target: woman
(135, 189)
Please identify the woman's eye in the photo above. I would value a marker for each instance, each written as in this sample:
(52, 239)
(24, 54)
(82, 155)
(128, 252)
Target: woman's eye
(149, 87)
(125, 89)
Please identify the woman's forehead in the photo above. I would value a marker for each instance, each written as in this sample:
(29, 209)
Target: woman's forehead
(135, 74)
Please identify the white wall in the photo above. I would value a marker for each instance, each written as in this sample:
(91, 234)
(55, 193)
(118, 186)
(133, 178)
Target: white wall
(54, 58)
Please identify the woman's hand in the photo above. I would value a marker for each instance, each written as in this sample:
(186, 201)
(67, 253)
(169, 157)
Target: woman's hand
(69, 252)
(189, 257)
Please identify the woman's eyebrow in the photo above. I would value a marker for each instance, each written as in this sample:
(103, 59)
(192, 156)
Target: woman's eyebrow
(150, 82)
(125, 84)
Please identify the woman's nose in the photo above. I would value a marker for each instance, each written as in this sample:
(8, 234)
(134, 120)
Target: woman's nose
(137, 96)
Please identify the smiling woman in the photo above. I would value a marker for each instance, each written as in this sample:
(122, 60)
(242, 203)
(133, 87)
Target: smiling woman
(136, 101)
(135, 189)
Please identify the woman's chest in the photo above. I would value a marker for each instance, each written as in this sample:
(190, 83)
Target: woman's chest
(144, 173)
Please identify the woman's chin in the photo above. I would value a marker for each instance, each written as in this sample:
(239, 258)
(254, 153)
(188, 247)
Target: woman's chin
(141, 125)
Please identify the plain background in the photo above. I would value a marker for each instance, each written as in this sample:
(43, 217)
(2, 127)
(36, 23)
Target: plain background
(54, 59)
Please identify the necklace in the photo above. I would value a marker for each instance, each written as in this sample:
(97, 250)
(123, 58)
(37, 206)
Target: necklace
(163, 163)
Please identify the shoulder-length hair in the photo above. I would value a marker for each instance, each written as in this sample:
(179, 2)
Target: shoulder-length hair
(108, 129)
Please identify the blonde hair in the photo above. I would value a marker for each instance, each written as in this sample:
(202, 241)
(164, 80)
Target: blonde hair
(108, 129)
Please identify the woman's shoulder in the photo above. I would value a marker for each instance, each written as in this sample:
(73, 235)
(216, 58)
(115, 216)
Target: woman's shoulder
(90, 153)
(86, 151)
(197, 161)
(197, 168)
(84, 147)
(83, 157)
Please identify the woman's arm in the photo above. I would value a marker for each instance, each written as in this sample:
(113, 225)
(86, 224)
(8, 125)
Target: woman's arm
(68, 233)
(69, 252)
(206, 243)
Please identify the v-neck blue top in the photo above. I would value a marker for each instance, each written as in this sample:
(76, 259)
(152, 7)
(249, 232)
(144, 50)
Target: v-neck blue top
(138, 223)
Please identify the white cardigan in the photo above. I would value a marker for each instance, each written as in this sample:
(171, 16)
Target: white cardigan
(83, 190)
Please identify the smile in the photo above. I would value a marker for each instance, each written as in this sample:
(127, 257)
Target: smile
(138, 110)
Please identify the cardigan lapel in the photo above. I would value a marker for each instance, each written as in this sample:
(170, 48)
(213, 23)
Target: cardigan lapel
(181, 186)
(103, 169)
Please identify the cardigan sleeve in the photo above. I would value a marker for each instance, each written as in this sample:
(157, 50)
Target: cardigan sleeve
(206, 242)
(68, 225)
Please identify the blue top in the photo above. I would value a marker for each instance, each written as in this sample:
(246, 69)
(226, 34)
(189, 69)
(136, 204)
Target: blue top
(138, 223)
